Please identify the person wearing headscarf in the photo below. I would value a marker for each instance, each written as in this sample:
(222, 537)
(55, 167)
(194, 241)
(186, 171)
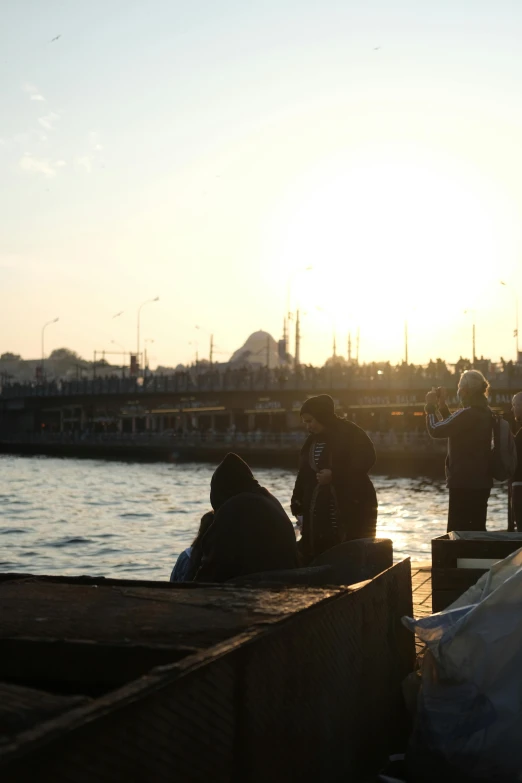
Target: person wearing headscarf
(333, 495)
(251, 531)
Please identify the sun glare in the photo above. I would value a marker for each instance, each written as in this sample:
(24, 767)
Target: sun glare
(389, 236)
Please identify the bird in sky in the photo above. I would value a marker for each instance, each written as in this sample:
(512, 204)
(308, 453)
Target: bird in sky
(376, 48)
(56, 38)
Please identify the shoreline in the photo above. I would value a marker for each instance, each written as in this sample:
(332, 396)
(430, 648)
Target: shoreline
(404, 463)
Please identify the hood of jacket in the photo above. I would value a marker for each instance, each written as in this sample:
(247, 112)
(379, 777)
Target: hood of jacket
(231, 477)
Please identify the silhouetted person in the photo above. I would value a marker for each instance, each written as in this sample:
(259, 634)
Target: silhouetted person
(251, 531)
(189, 560)
(468, 462)
(516, 481)
(333, 492)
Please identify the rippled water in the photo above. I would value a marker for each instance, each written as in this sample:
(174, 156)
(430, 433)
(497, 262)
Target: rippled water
(67, 516)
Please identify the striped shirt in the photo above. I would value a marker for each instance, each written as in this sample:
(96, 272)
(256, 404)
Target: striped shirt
(318, 451)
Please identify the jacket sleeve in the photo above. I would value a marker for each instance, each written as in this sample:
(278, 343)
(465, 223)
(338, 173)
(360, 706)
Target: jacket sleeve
(296, 503)
(449, 425)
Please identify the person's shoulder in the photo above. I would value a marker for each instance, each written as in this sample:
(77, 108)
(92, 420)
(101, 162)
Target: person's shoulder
(346, 430)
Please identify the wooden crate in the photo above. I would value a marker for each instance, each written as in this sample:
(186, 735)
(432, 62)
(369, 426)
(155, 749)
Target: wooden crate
(262, 684)
(452, 572)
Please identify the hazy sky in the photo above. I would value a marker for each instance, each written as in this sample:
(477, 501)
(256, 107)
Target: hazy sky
(205, 152)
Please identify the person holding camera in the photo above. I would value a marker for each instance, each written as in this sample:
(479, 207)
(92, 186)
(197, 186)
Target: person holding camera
(468, 462)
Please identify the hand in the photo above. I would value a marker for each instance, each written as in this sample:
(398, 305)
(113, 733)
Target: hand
(441, 391)
(324, 476)
(432, 399)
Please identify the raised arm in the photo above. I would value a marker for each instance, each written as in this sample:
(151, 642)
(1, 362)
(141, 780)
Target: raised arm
(450, 424)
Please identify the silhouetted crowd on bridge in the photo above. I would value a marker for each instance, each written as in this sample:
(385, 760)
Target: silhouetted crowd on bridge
(203, 377)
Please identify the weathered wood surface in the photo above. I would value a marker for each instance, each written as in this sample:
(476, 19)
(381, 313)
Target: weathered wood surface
(422, 598)
(22, 708)
(115, 614)
(313, 694)
(75, 638)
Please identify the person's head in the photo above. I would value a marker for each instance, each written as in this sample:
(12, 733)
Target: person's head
(318, 413)
(205, 522)
(231, 477)
(473, 387)
(517, 406)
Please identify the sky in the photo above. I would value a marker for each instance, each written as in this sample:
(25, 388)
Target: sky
(358, 161)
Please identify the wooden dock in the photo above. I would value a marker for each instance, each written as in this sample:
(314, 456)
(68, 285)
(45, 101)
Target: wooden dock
(422, 595)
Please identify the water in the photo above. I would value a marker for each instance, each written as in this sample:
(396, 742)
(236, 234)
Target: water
(117, 519)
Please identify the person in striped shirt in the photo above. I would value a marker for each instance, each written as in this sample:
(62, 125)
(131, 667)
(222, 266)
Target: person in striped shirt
(469, 431)
(333, 493)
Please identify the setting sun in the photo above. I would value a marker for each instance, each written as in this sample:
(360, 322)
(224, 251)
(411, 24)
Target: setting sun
(394, 234)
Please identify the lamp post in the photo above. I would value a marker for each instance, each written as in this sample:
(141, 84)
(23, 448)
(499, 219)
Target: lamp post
(147, 301)
(44, 327)
(515, 333)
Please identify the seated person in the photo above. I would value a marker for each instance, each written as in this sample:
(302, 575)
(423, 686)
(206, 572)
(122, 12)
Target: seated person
(188, 561)
(251, 531)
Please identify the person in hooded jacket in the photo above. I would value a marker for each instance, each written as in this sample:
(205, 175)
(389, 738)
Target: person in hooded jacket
(333, 493)
(251, 531)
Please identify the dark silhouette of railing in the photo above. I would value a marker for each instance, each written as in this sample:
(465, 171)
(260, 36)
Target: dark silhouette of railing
(310, 379)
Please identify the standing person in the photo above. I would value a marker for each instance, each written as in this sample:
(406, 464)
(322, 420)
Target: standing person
(469, 460)
(516, 480)
(333, 492)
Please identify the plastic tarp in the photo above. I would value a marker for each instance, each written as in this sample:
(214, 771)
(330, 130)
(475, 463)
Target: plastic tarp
(469, 718)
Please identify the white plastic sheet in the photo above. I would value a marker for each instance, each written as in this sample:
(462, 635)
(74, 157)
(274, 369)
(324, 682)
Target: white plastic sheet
(470, 704)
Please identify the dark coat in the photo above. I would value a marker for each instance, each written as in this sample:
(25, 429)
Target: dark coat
(349, 454)
(251, 531)
(469, 432)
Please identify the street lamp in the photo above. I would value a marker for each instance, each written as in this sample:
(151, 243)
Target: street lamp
(44, 327)
(515, 333)
(148, 301)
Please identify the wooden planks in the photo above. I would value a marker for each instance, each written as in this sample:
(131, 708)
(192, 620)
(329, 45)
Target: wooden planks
(321, 664)
(76, 638)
